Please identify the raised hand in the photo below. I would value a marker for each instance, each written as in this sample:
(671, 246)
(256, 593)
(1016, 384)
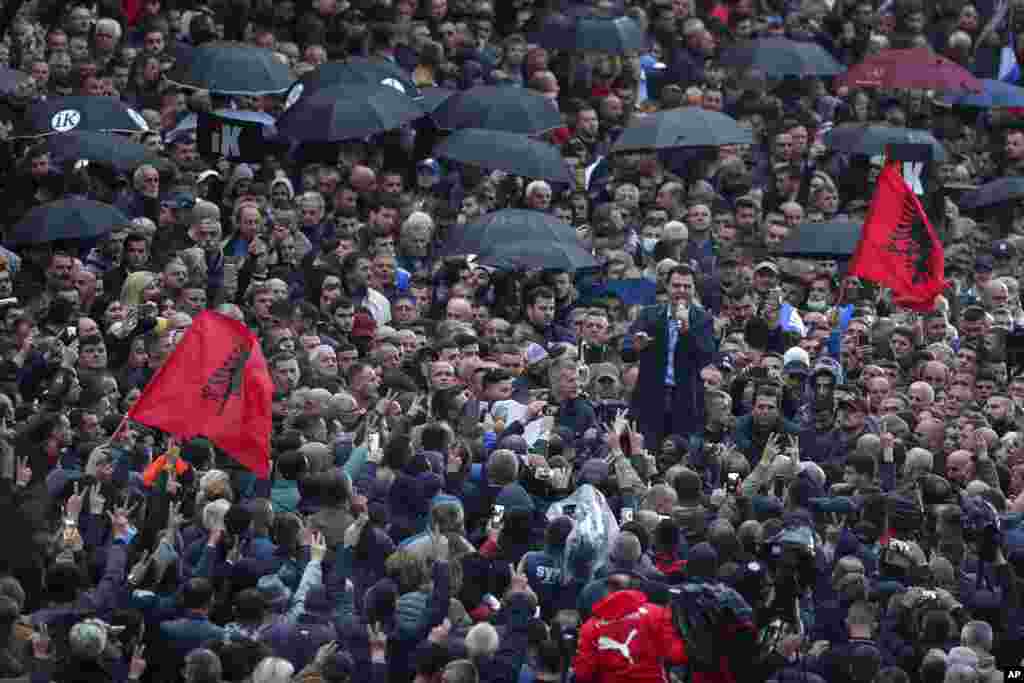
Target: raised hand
(73, 508)
(23, 473)
(173, 486)
(96, 500)
(771, 448)
(439, 634)
(324, 654)
(318, 547)
(140, 568)
(41, 643)
(174, 517)
(138, 663)
(120, 519)
(378, 641)
(355, 531)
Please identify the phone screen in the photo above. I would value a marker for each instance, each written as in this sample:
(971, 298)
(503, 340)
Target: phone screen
(374, 442)
(497, 515)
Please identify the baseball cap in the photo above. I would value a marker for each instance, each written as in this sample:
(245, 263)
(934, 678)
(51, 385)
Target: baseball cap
(1004, 249)
(428, 166)
(767, 265)
(178, 200)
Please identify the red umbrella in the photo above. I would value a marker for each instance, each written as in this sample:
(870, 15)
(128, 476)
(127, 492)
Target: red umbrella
(918, 68)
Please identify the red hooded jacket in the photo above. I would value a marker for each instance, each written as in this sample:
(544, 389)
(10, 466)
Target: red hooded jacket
(628, 640)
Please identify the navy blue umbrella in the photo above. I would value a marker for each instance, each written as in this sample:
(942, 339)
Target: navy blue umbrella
(67, 219)
(683, 127)
(505, 226)
(873, 140)
(782, 57)
(354, 71)
(226, 68)
(526, 255)
(515, 153)
(614, 35)
(106, 149)
(78, 113)
(345, 112)
(999, 191)
(831, 240)
(515, 110)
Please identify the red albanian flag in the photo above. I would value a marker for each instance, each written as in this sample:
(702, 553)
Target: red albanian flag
(214, 384)
(898, 246)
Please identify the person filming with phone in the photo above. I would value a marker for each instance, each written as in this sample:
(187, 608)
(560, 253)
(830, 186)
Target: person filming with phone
(672, 342)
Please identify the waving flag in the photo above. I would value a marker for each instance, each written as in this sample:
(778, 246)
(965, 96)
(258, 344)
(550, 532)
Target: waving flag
(898, 247)
(214, 384)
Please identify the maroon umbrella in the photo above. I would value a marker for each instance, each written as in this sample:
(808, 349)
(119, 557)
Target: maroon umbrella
(917, 68)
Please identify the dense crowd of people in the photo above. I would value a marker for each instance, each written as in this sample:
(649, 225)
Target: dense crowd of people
(699, 461)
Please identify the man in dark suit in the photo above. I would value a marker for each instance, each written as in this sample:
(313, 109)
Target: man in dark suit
(672, 342)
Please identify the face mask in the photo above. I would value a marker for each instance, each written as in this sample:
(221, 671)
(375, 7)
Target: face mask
(648, 244)
(817, 305)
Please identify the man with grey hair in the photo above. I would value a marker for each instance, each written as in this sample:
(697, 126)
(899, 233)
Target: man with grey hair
(460, 671)
(202, 666)
(978, 637)
(414, 241)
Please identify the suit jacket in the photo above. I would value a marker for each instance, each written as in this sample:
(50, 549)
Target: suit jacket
(695, 348)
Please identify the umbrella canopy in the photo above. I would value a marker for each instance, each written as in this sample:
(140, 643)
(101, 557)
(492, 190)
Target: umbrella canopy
(869, 140)
(434, 98)
(993, 94)
(347, 112)
(614, 35)
(917, 68)
(832, 240)
(81, 112)
(105, 149)
(353, 71)
(232, 69)
(537, 254)
(512, 152)
(508, 226)
(515, 110)
(782, 57)
(684, 127)
(999, 191)
(67, 219)
(10, 79)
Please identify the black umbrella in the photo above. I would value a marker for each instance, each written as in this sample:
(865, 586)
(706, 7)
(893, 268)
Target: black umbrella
(512, 152)
(615, 35)
(232, 69)
(67, 219)
(999, 191)
(347, 112)
(10, 79)
(353, 71)
(432, 98)
(516, 110)
(508, 226)
(832, 240)
(81, 112)
(782, 57)
(683, 127)
(537, 254)
(106, 149)
(872, 140)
